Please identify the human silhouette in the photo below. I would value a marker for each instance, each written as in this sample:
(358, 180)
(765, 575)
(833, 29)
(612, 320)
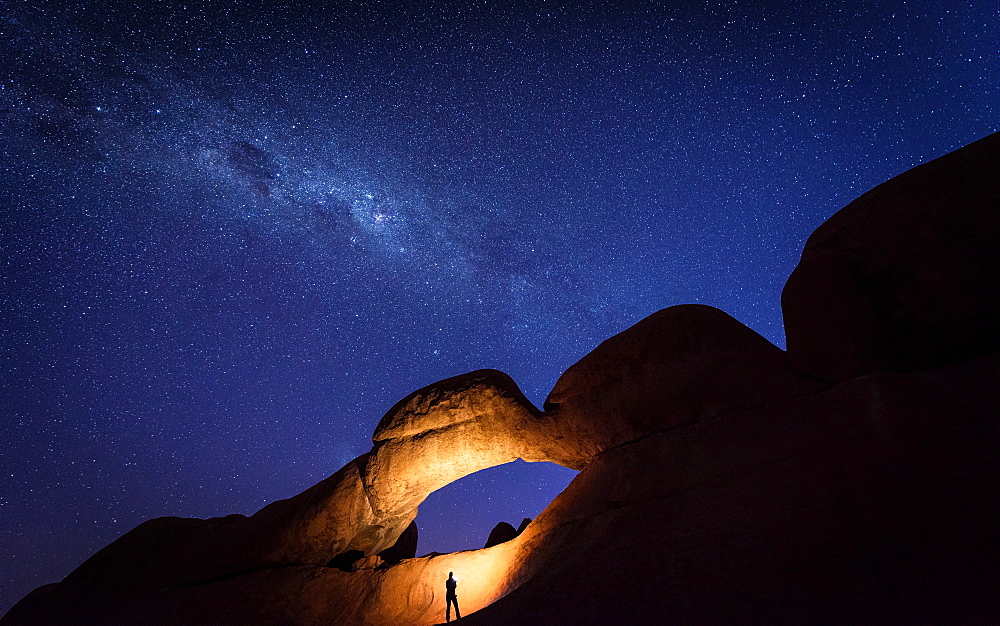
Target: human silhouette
(450, 597)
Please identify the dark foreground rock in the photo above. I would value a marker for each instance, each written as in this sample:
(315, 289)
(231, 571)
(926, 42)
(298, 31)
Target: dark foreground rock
(905, 277)
(873, 502)
(853, 479)
(678, 366)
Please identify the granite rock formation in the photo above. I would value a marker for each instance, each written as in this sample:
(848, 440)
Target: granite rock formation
(906, 277)
(852, 479)
(874, 501)
(501, 532)
(676, 367)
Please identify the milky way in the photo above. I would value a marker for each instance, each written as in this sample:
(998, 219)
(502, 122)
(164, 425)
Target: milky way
(233, 236)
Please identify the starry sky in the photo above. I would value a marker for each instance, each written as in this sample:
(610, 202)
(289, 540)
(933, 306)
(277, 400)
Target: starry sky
(233, 234)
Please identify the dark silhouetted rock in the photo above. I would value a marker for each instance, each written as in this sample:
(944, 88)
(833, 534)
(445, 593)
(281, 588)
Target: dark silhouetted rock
(524, 524)
(678, 366)
(905, 277)
(405, 547)
(345, 560)
(501, 532)
(873, 502)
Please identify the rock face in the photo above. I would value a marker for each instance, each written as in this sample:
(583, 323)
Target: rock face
(443, 432)
(853, 479)
(678, 366)
(905, 277)
(872, 502)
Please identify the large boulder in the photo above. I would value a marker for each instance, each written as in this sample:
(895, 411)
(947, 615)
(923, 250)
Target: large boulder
(434, 436)
(873, 502)
(905, 277)
(502, 532)
(678, 366)
(443, 432)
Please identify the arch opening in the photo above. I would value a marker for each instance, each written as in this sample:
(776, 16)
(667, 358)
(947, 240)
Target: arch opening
(461, 515)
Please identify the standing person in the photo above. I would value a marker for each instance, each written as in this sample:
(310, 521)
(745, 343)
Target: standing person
(451, 597)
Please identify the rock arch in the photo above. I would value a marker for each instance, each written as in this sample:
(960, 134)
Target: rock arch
(663, 372)
(738, 487)
(433, 437)
(679, 366)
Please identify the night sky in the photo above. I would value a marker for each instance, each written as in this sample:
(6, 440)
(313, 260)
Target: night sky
(232, 236)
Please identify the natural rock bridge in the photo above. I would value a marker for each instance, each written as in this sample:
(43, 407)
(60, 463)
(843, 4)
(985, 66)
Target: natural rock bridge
(853, 478)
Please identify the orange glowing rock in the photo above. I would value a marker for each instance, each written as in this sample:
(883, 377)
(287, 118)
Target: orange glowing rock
(443, 432)
(431, 438)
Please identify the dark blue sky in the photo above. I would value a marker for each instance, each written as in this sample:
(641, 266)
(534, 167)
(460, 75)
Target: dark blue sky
(231, 237)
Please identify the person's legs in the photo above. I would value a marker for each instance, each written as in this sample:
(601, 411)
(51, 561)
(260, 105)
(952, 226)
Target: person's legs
(447, 609)
(458, 614)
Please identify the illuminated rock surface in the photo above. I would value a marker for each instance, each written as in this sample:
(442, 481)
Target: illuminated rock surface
(718, 483)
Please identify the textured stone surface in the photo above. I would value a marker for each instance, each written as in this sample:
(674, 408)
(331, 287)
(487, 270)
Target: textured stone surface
(443, 432)
(436, 435)
(873, 501)
(905, 277)
(643, 381)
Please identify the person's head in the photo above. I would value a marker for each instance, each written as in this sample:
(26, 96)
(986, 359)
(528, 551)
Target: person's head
(451, 574)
